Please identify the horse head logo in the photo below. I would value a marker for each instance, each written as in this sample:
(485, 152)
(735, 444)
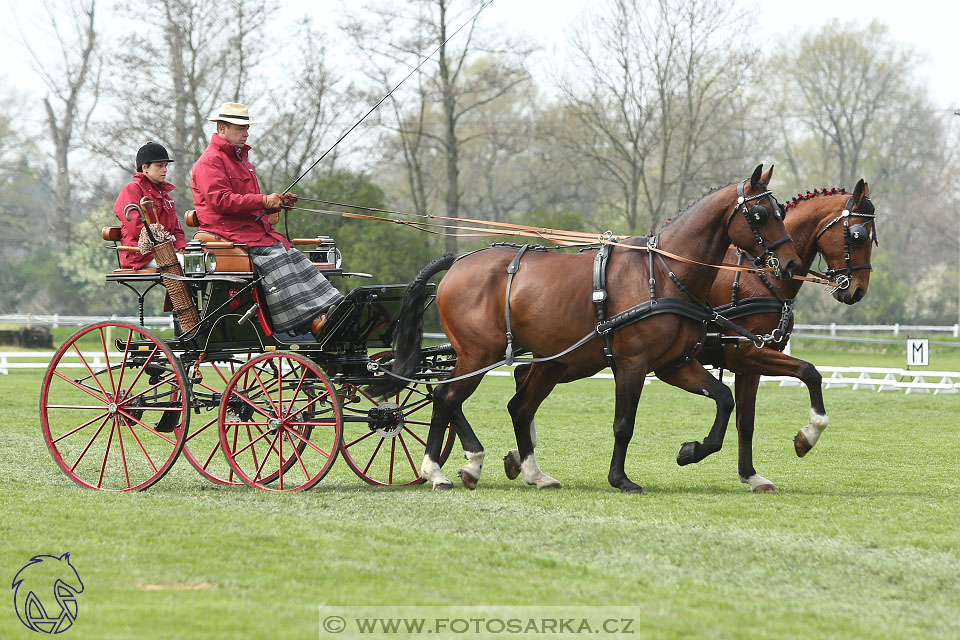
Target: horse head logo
(45, 593)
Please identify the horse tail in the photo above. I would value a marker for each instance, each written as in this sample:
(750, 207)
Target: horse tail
(409, 332)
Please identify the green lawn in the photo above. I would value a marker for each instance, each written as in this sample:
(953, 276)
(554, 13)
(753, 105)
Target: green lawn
(862, 541)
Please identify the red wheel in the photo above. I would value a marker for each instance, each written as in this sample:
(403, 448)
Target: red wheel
(384, 440)
(280, 422)
(116, 418)
(202, 448)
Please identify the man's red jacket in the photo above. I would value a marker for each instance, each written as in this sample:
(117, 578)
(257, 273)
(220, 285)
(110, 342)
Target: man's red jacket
(227, 196)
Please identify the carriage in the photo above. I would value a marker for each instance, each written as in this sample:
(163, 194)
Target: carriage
(243, 403)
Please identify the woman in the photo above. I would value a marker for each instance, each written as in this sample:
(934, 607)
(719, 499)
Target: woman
(150, 181)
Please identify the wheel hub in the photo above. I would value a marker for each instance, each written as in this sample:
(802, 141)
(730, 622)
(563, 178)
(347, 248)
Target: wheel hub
(274, 424)
(112, 408)
(386, 419)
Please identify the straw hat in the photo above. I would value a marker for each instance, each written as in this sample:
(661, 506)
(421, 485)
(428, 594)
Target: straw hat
(234, 113)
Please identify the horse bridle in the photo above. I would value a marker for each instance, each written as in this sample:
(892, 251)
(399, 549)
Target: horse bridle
(756, 217)
(853, 236)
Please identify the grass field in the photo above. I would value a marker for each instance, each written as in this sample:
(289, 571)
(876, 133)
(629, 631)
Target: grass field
(862, 542)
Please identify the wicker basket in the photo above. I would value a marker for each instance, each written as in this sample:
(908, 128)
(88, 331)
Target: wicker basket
(183, 306)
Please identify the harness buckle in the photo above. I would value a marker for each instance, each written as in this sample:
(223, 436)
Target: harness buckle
(598, 295)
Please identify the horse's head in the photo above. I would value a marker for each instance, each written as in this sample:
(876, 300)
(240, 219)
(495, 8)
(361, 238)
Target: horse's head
(755, 226)
(846, 242)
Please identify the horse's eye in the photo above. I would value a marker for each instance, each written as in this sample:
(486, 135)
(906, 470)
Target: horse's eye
(758, 215)
(858, 235)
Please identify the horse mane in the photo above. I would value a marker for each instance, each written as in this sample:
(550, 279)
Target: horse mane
(709, 192)
(813, 194)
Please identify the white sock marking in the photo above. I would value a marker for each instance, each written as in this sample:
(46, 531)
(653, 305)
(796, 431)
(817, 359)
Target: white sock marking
(756, 480)
(474, 463)
(813, 430)
(532, 474)
(430, 470)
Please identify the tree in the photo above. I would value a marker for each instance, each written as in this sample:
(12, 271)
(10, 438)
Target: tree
(654, 97)
(431, 119)
(73, 85)
(184, 60)
(851, 107)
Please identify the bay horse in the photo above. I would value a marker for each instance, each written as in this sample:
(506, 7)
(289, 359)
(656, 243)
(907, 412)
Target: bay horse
(833, 224)
(550, 305)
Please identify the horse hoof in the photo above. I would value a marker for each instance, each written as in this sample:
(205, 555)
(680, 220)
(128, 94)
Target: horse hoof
(687, 453)
(443, 486)
(468, 480)
(800, 444)
(553, 484)
(766, 488)
(511, 466)
(633, 489)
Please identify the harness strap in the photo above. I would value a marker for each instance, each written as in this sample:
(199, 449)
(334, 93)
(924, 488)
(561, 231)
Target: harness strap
(599, 298)
(512, 269)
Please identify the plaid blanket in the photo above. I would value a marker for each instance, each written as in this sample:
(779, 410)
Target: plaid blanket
(296, 292)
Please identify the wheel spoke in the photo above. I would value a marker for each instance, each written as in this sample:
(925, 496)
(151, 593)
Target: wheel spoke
(106, 453)
(89, 370)
(142, 448)
(147, 427)
(266, 456)
(310, 444)
(123, 456)
(416, 437)
(86, 448)
(296, 452)
(406, 450)
(373, 455)
(363, 437)
(126, 352)
(83, 388)
(83, 426)
(139, 372)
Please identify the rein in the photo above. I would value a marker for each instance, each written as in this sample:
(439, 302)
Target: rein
(489, 228)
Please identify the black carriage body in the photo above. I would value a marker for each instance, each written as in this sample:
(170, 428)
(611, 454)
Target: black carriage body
(234, 320)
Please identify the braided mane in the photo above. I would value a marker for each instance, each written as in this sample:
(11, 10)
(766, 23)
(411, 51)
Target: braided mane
(815, 193)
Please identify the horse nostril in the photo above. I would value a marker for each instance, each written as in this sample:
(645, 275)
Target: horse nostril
(793, 267)
(857, 295)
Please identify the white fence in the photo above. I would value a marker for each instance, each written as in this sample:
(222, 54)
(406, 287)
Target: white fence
(871, 378)
(833, 329)
(57, 320)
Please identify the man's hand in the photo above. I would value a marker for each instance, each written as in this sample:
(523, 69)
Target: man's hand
(272, 202)
(273, 218)
(289, 199)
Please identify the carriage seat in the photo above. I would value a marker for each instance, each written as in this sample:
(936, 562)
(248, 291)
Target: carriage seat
(112, 234)
(226, 250)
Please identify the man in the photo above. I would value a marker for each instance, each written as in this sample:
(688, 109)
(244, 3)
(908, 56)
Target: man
(226, 195)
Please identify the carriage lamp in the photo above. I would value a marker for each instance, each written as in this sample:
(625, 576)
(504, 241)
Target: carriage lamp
(194, 261)
(326, 251)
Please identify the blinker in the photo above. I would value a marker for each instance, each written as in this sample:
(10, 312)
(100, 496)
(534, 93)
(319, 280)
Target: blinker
(858, 235)
(758, 215)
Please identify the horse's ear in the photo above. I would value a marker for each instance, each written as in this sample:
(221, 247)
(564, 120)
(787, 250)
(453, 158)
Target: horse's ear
(861, 191)
(766, 177)
(756, 177)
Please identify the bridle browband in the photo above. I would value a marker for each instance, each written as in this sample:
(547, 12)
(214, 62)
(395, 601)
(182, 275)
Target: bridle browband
(853, 236)
(756, 217)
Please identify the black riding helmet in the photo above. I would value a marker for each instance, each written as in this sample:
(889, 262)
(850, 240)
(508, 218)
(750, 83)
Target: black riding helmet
(152, 152)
